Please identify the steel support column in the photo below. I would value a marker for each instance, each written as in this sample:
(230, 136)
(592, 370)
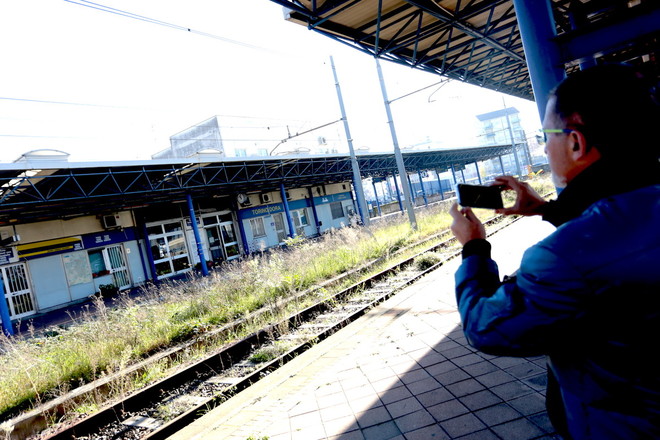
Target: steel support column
(357, 178)
(150, 255)
(287, 212)
(397, 151)
(398, 193)
(373, 183)
(314, 213)
(421, 185)
(198, 240)
(442, 192)
(7, 326)
(537, 30)
(476, 167)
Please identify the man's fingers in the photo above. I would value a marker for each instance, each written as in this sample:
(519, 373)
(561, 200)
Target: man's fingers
(454, 212)
(469, 214)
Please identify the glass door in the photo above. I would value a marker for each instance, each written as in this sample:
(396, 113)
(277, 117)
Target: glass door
(278, 219)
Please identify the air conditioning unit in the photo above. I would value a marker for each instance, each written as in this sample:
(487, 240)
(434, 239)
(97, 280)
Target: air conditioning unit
(111, 221)
(265, 198)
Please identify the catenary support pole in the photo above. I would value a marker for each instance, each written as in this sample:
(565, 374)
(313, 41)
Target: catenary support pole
(442, 191)
(397, 152)
(357, 178)
(476, 167)
(198, 240)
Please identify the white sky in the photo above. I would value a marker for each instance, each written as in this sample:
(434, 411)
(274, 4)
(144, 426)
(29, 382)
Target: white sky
(101, 86)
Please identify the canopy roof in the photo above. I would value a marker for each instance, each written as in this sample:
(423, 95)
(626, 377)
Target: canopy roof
(40, 190)
(478, 41)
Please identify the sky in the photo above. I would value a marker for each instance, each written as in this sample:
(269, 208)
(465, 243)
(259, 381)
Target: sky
(79, 77)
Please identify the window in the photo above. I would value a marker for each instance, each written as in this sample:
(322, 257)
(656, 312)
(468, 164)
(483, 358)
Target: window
(168, 248)
(240, 152)
(257, 226)
(336, 210)
(97, 263)
(300, 218)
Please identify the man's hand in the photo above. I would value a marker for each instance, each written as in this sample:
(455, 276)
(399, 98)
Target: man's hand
(528, 202)
(466, 226)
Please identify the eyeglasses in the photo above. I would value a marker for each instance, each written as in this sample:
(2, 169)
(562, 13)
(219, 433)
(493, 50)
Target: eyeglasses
(545, 131)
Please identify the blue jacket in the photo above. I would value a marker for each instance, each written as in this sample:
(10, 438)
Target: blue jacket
(588, 296)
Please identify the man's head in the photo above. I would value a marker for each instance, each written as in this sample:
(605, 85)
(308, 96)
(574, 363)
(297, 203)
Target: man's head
(607, 112)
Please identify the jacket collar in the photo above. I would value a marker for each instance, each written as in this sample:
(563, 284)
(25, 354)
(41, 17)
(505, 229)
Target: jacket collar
(600, 180)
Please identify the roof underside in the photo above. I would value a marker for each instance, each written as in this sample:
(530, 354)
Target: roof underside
(44, 191)
(475, 41)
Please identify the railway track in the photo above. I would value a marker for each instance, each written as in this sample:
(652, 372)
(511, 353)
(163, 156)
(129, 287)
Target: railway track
(168, 405)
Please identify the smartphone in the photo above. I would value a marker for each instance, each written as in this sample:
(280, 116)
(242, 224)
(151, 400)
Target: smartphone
(478, 196)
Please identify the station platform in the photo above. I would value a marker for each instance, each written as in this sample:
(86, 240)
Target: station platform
(403, 371)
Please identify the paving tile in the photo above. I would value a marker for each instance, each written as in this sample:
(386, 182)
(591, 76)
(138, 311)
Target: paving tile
(456, 352)
(315, 432)
(415, 376)
(360, 391)
(395, 394)
(447, 410)
(529, 404)
(383, 385)
(542, 420)
(331, 400)
(463, 425)
(423, 386)
(480, 400)
(468, 359)
(433, 432)
(495, 415)
(414, 421)
(480, 368)
(384, 431)
(365, 403)
(341, 425)
(402, 407)
(353, 435)
(495, 378)
(436, 370)
(434, 397)
(305, 420)
(372, 417)
(465, 387)
(521, 429)
(511, 390)
(480, 435)
(526, 369)
(452, 376)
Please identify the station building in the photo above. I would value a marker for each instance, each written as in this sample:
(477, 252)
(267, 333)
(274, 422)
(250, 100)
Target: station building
(70, 230)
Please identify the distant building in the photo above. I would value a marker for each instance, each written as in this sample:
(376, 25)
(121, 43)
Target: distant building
(234, 136)
(496, 129)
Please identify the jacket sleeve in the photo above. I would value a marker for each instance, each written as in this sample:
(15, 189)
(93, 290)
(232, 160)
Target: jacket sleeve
(525, 316)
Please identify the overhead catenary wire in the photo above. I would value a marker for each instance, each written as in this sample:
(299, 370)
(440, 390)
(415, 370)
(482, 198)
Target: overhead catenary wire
(120, 12)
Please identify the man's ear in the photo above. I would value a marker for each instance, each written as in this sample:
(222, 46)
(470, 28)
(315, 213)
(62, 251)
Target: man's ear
(581, 151)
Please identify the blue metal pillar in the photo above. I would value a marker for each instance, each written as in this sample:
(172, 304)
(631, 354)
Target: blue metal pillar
(398, 194)
(7, 325)
(537, 30)
(198, 240)
(476, 167)
(314, 213)
(501, 164)
(421, 185)
(453, 174)
(413, 196)
(241, 230)
(287, 212)
(442, 191)
(463, 175)
(380, 213)
(150, 255)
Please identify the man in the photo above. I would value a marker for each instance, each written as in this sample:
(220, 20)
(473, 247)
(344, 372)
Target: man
(587, 296)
